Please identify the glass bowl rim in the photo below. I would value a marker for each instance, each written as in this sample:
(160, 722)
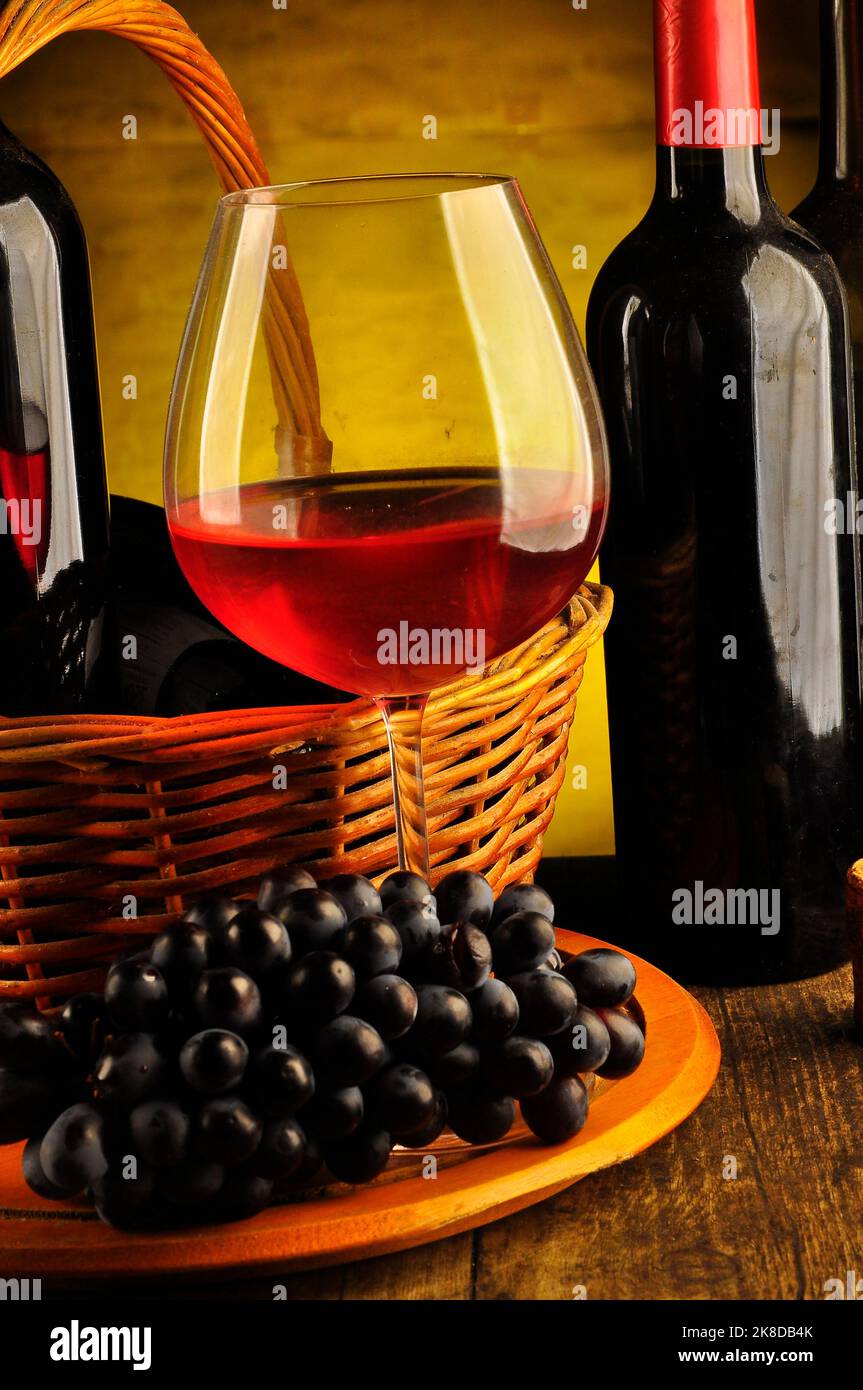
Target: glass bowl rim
(278, 195)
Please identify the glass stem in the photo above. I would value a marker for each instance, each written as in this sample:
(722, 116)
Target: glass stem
(403, 719)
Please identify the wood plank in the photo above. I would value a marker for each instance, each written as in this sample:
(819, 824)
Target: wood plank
(443, 1271)
(787, 1105)
(668, 1225)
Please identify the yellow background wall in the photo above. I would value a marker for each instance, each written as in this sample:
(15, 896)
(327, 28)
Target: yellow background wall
(560, 97)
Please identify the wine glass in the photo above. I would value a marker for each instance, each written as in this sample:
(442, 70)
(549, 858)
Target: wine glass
(385, 463)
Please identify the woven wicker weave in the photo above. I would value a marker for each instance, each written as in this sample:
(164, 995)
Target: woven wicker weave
(107, 817)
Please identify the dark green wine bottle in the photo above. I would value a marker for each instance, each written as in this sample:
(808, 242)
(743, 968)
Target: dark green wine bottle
(53, 494)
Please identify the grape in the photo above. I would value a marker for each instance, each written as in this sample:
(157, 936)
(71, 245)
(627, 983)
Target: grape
(559, 1111)
(160, 1132)
(601, 978)
(360, 1157)
(72, 1153)
(335, 1114)
(522, 897)
(182, 952)
(27, 1039)
(348, 1052)
(495, 1012)
(372, 946)
(282, 1148)
(212, 913)
(399, 1027)
(404, 886)
(478, 1116)
(522, 942)
(401, 1099)
(418, 929)
(213, 1061)
(281, 1081)
(463, 896)
(309, 1166)
(388, 1057)
(636, 1012)
(426, 1134)
(313, 919)
(627, 1045)
(130, 1069)
(546, 1002)
(136, 996)
(228, 998)
(456, 1067)
(34, 1173)
(83, 1023)
(357, 895)
(460, 958)
(583, 1046)
(518, 1067)
(389, 1004)
(27, 1103)
(125, 1202)
(318, 988)
(443, 1020)
(227, 1131)
(191, 1182)
(276, 887)
(256, 942)
(243, 1193)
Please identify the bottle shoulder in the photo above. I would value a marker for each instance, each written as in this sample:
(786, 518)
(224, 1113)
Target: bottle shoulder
(25, 179)
(834, 199)
(834, 216)
(679, 262)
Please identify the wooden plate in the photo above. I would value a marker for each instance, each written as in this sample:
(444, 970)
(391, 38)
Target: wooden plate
(68, 1242)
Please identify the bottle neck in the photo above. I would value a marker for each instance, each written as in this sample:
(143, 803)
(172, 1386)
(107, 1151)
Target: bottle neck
(841, 146)
(708, 106)
(730, 180)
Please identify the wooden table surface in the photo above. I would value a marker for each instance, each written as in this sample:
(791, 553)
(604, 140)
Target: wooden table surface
(787, 1109)
(786, 1114)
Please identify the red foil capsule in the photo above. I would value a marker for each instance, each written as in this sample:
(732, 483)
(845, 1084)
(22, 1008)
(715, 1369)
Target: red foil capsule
(707, 94)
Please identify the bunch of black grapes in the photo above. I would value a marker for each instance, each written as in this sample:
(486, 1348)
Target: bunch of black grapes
(258, 1044)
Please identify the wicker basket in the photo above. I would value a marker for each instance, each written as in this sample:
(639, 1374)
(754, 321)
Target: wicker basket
(111, 823)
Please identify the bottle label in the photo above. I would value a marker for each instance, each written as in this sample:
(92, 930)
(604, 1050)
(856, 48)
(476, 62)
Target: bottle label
(707, 94)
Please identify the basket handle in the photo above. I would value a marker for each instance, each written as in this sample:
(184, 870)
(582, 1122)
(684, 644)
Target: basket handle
(161, 32)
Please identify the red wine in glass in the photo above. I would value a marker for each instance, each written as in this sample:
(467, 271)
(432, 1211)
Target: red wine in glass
(417, 387)
(389, 583)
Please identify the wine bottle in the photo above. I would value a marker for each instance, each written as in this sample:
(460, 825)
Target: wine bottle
(833, 210)
(717, 331)
(53, 494)
(173, 657)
